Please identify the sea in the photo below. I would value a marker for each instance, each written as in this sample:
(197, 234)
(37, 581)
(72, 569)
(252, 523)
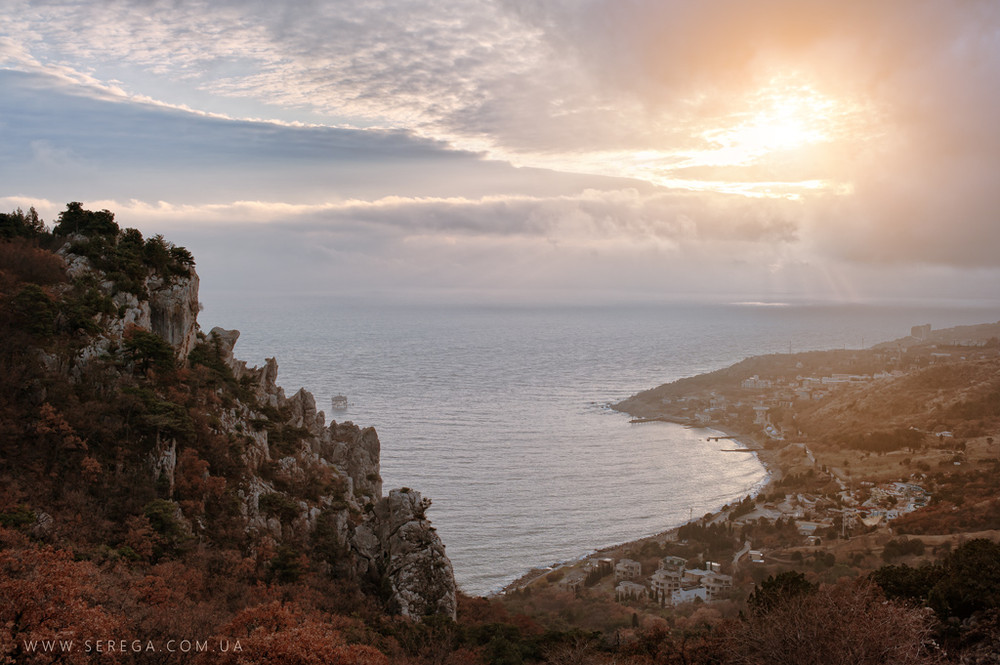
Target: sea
(500, 414)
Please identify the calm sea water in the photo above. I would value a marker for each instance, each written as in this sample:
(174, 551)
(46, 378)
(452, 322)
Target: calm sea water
(499, 414)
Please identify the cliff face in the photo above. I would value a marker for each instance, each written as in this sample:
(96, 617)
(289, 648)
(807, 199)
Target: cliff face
(173, 311)
(170, 310)
(394, 546)
(397, 543)
(297, 480)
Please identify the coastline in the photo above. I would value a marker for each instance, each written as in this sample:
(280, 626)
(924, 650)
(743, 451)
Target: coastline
(749, 443)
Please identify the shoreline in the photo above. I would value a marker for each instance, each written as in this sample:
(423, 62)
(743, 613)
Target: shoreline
(767, 459)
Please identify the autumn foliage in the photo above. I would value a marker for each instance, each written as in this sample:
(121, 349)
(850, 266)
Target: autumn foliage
(282, 633)
(48, 597)
(849, 622)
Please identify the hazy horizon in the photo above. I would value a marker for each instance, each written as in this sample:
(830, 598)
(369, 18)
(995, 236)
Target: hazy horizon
(511, 151)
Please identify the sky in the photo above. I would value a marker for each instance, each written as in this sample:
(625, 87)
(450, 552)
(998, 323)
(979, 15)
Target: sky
(524, 150)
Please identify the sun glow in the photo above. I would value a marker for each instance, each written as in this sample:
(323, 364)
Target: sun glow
(779, 119)
(771, 143)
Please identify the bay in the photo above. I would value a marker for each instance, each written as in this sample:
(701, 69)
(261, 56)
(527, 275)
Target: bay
(500, 413)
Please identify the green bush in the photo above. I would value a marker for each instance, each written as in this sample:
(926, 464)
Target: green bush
(77, 220)
(286, 566)
(285, 439)
(147, 349)
(153, 416)
(34, 311)
(775, 589)
(278, 505)
(80, 308)
(162, 516)
(898, 547)
(21, 516)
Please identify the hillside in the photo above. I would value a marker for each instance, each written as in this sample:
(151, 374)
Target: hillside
(137, 448)
(879, 456)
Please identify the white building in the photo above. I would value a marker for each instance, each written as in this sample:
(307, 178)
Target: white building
(573, 581)
(716, 584)
(688, 594)
(672, 563)
(627, 569)
(694, 575)
(630, 591)
(756, 383)
(664, 582)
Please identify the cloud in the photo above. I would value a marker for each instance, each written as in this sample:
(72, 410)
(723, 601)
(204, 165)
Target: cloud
(599, 246)
(587, 219)
(904, 175)
(601, 242)
(918, 152)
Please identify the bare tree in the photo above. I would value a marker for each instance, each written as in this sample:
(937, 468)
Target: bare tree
(849, 623)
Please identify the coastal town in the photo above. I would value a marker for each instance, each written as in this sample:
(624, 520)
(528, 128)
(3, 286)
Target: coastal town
(848, 479)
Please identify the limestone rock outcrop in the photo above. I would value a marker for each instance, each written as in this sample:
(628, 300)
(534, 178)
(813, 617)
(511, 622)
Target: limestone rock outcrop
(173, 311)
(170, 310)
(397, 545)
(391, 543)
(292, 482)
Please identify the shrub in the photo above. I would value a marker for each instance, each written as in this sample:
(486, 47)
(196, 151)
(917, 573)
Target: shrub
(287, 565)
(34, 311)
(20, 516)
(278, 505)
(148, 349)
(25, 263)
(154, 416)
(898, 547)
(850, 622)
(776, 590)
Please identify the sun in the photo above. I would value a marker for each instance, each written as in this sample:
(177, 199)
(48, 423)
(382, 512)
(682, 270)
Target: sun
(768, 133)
(783, 139)
(776, 119)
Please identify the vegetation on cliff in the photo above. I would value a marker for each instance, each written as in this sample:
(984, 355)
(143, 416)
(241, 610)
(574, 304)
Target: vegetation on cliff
(180, 489)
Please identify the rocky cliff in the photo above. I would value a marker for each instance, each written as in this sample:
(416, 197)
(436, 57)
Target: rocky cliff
(296, 480)
(398, 544)
(165, 305)
(393, 546)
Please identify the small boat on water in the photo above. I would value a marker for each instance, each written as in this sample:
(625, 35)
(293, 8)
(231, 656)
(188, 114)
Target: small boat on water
(338, 402)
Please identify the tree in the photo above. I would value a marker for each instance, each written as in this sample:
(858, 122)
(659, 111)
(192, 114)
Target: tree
(19, 224)
(970, 581)
(156, 254)
(148, 349)
(48, 599)
(966, 582)
(34, 310)
(906, 583)
(77, 220)
(776, 590)
(850, 622)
